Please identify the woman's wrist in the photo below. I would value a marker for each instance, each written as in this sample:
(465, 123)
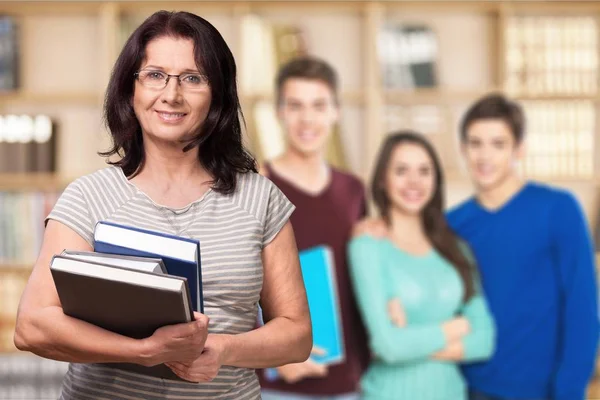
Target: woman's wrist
(224, 344)
(146, 352)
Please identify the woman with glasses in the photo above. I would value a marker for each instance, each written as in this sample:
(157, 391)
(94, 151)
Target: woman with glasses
(416, 288)
(178, 167)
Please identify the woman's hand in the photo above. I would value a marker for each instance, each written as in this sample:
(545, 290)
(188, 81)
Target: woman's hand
(181, 342)
(205, 367)
(375, 227)
(396, 313)
(456, 328)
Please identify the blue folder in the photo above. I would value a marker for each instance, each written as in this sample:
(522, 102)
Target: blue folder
(318, 272)
(180, 255)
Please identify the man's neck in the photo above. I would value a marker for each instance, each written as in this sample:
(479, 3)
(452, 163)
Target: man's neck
(310, 173)
(498, 196)
(308, 164)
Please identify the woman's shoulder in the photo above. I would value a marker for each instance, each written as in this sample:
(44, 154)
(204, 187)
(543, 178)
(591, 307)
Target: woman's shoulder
(253, 183)
(366, 242)
(104, 185)
(106, 176)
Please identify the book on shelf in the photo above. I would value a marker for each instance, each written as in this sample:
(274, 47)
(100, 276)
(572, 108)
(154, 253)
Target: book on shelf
(266, 46)
(26, 377)
(407, 55)
(127, 301)
(318, 273)
(180, 255)
(8, 53)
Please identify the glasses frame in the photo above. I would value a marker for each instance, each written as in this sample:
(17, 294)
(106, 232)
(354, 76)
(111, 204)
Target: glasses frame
(169, 76)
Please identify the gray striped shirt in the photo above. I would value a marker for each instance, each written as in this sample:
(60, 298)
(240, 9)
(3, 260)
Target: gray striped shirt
(232, 229)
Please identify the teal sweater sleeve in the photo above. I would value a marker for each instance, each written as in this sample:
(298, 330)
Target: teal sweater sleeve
(480, 343)
(388, 342)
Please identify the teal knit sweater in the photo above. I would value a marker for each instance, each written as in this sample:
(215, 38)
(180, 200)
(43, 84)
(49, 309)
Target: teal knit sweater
(431, 293)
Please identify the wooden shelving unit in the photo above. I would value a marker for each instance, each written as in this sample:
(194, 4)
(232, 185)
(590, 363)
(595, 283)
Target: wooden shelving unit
(32, 98)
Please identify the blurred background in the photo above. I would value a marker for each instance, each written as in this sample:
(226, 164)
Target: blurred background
(402, 64)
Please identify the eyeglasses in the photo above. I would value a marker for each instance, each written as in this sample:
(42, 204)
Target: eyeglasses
(159, 80)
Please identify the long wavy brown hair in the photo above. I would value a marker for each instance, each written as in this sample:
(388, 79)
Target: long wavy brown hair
(436, 228)
(221, 149)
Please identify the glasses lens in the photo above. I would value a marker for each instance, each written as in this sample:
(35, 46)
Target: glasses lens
(152, 78)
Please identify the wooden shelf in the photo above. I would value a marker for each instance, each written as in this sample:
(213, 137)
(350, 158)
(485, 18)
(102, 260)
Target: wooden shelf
(354, 97)
(25, 270)
(91, 99)
(6, 320)
(32, 182)
(22, 8)
(432, 95)
(555, 96)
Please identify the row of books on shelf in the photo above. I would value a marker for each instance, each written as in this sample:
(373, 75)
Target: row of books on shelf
(22, 217)
(28, 377)
(407, 53)
(27, 144)
(560, 138)
(546, 55)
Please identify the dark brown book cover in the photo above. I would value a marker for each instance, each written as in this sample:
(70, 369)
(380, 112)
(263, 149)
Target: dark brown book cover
(124, 308)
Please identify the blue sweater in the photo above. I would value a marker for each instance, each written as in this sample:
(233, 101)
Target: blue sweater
(537, 269)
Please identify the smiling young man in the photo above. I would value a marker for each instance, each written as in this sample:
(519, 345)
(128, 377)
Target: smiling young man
(534, 252)
(328, 203)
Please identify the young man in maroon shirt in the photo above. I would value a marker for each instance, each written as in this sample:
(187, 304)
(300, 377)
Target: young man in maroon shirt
(328, 203)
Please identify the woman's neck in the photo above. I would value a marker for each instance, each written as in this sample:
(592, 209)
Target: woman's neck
(171, 177)
(406, 232)
(405, 225)
(169, 163)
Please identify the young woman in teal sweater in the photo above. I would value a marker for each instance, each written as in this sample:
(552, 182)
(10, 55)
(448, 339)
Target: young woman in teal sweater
(417, 287)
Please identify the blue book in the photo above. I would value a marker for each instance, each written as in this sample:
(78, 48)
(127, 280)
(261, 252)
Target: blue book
(318, 272)
(180, 255)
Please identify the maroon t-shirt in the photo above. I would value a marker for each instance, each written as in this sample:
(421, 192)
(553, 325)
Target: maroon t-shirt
(327, 219)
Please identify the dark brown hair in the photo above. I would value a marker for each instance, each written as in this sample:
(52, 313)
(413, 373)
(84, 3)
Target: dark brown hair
(307, 67)
(441, 236)
(495, 106)
(221, 150)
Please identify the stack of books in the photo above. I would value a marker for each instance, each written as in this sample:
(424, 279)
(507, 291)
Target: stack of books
(134, 282)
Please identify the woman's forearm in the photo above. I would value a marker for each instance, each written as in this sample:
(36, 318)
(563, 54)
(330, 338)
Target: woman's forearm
(49, 333)
(280, 341)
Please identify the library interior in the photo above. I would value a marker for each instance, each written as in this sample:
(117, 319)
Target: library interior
(402, 65)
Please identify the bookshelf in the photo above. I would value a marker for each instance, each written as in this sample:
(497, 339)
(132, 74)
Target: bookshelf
(473, 41)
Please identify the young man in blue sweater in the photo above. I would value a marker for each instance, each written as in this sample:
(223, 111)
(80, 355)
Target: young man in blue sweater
(534, 251)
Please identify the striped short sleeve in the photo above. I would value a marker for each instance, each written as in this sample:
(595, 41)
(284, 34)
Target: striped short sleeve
(72, 210)
(279, 209)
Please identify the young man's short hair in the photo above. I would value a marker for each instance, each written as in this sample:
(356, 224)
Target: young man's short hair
(307, 67)
(495, 106)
